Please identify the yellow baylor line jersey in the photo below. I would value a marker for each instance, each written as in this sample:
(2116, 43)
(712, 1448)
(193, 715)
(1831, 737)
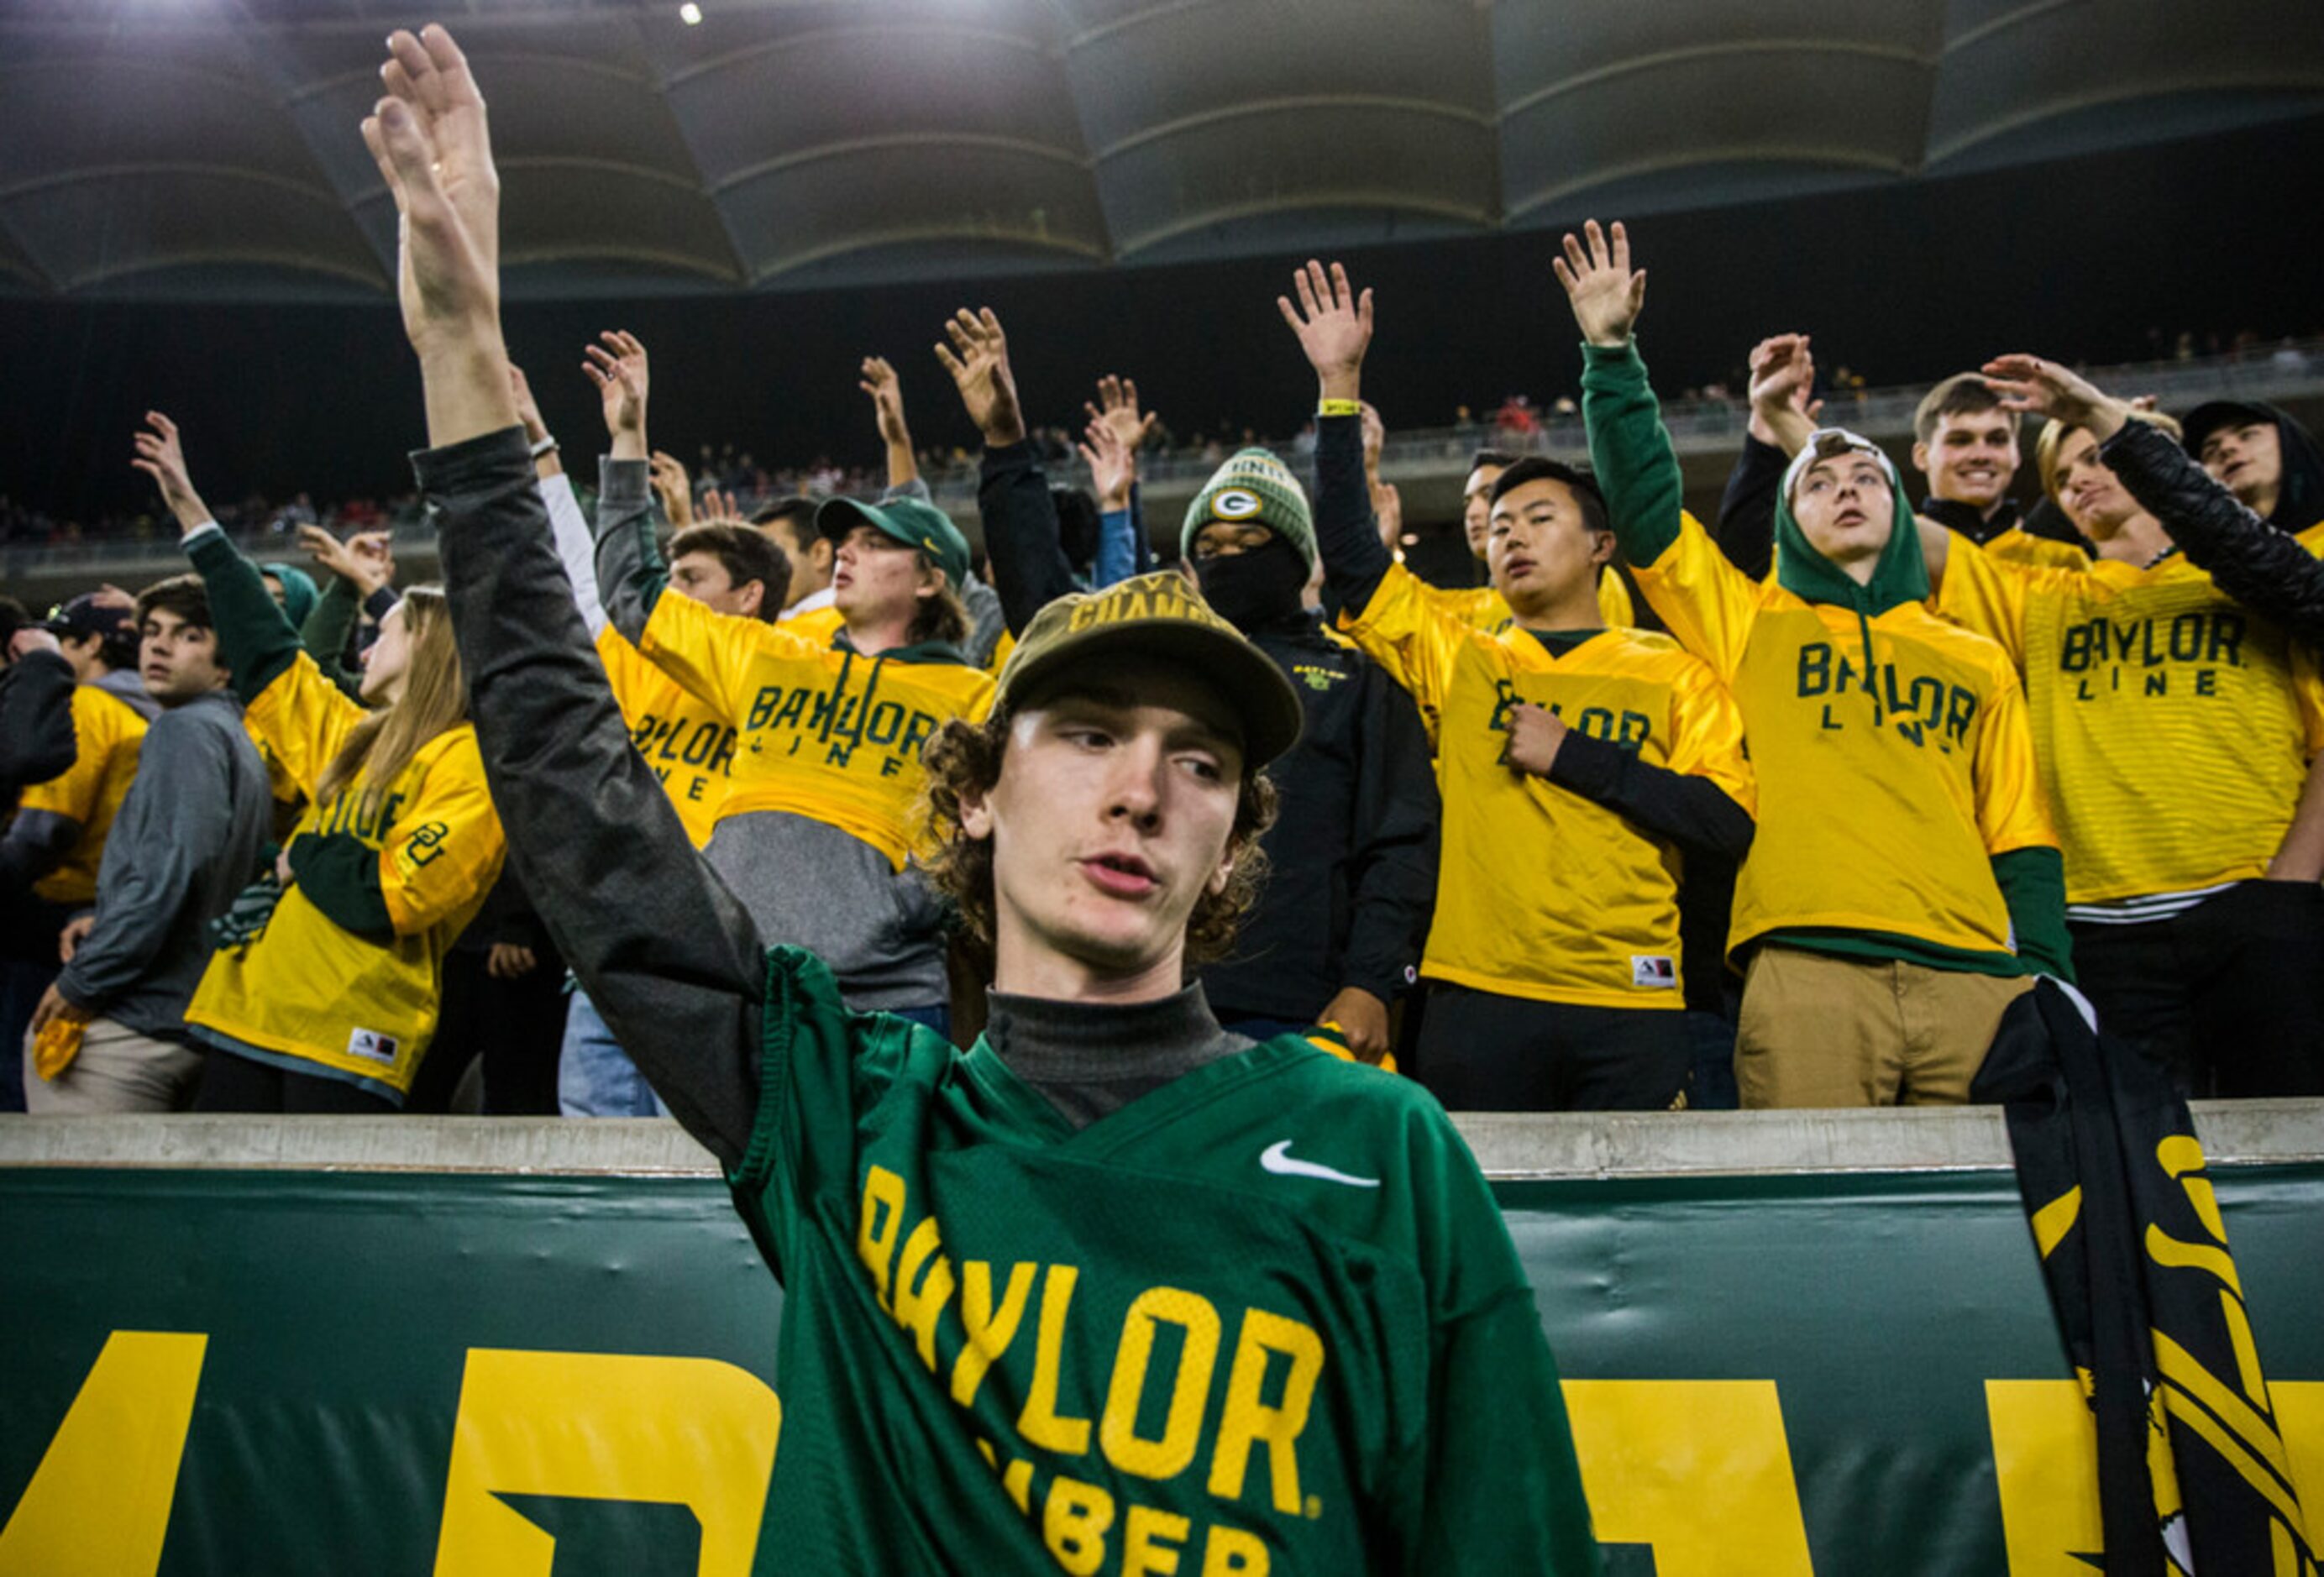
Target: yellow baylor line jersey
(1541, 893)
(308, 989)
(820, 732)
(108, 735)
(2174, 729)
(689, 743)
(1887, 787)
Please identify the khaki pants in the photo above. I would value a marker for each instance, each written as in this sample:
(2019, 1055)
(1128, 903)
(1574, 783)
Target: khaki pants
(1820, 1030)
(117, 1070)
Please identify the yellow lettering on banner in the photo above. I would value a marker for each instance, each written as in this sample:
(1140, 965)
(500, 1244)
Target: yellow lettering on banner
(1699, 1470)
(1040, 1422)
(2045, 1462)
(1073, 1520)
(1182, 1428)
(687, 1431)
(880, 1223)
(1230, 1552)
(1144, 1552)
(920, 1299)
(99, 1505)
(1245, 1420)
(2300, 1415)
(989, 1330)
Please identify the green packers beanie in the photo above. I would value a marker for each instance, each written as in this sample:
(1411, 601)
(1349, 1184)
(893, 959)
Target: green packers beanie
(1254, 487)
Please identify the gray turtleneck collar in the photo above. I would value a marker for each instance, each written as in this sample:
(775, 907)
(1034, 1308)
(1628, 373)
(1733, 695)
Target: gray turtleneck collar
(1089, 1060)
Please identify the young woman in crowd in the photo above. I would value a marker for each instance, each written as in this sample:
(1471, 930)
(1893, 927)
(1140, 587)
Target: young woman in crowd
(327, 1001)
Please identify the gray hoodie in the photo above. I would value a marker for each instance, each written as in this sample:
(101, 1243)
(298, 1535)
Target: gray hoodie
(188, 837)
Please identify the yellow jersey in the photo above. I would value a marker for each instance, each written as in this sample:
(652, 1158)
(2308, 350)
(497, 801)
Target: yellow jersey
(1481, 607)
(821, 731)
(2174, 728)
(108, 733)
(1540, 892)
(306, 993)
(689, 744)
(2018, 546)
(816, 624)
(1890, 785)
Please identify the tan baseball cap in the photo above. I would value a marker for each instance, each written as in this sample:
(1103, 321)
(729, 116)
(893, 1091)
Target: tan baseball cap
(1161, 616)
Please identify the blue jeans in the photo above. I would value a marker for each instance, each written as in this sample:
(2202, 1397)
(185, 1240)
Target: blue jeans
(594, 1076)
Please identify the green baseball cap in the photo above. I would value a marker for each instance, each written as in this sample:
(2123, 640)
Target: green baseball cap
(1163, 617)
(907, 521)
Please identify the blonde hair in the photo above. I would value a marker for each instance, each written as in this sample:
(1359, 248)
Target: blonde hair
(435, 698)
(2045, 448)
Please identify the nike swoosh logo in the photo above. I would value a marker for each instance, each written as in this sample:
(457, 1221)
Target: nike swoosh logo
(1277, 1158)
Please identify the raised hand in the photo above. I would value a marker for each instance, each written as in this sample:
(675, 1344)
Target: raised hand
(1387, 515)
(1607, 296)
(2029, 383)
(527, 408)
(1117, 409)
(366, 571)
(1783, 380)
(160, 456)
(978, 361)
(879, 381)
(722, 509)
(430, 139)
(1113, 464)
(376, 551)
(674, 487)
(617, 367)
(29, 640)
(1334, 326)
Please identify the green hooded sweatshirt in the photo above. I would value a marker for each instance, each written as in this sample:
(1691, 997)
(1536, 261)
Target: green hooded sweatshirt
(1631, 454)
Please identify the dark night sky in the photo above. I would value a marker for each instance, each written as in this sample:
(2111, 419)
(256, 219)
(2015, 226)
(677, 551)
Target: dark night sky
(2077, 259)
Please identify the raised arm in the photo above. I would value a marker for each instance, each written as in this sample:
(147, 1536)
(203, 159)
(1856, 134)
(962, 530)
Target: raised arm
(630, 573)
(1117, 430)
(1334, 327)
(887, 391)
(36, 726)
(254, 636)
(2268, 571)
(664, 951)
(1783, 418)
(1023, 540)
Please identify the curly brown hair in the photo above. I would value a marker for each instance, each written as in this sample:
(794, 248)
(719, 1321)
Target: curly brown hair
(963, 759)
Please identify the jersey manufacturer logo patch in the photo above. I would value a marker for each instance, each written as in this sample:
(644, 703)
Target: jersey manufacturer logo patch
(1276, 1158)
(372, 1046)
(1654, 972)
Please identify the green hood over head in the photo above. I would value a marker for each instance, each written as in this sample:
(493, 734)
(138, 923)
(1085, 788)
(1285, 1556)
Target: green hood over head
(1900, 576)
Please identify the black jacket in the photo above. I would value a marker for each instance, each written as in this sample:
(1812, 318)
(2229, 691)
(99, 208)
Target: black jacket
(1351, 858)
(2267, 570)
(36, 723)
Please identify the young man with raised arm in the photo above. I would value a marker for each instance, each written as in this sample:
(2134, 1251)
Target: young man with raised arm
(1905, 879)
(2184, 741)
(190, 833)
(1111, 1289)
(818, 831)
(1577, 764)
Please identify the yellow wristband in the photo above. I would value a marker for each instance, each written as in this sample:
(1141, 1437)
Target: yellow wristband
(1340, 408)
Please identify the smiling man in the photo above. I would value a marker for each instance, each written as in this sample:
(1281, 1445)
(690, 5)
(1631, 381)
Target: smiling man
(1110, 1290)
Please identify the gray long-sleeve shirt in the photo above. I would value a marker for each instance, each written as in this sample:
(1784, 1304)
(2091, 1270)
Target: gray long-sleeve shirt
(189, 835)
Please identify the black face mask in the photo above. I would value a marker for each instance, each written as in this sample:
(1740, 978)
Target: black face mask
(1254, 589)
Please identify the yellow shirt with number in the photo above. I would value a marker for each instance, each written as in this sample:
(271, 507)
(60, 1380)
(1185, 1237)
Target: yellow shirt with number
(308, 994)
(2174, 729)
(1540, 892)
(1883, 794)
(688, 742)
(107, 735)
(820, 731)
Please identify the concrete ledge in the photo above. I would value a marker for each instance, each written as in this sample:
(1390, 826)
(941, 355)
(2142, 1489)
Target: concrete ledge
(1511, 1147)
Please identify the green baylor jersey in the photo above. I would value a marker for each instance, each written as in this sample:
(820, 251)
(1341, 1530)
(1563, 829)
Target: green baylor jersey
(1263, 1319)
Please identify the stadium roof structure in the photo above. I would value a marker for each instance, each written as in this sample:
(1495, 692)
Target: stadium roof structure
(206, 149)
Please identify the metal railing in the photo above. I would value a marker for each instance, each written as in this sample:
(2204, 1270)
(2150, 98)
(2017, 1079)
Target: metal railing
(2290, 370)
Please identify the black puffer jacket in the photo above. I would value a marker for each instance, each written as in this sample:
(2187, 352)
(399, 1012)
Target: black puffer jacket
(2268, 571)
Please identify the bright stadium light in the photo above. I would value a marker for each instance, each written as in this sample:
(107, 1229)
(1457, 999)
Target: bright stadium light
(691, 13)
